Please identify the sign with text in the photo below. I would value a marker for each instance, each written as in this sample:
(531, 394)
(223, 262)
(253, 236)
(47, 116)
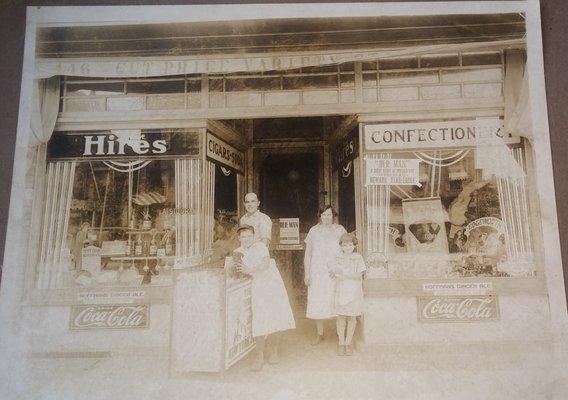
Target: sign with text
(457, 288)
(121, 67)
(346, 150)
(109, 316)
(91, 259)
(427, 135)
(458, 308)
(239, 323)
(490, 222)
(390, 171)
(223, 153)
(110, 297)
(123, 144)
(289, 230)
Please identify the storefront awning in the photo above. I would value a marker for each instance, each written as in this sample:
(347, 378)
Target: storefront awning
(130, 67)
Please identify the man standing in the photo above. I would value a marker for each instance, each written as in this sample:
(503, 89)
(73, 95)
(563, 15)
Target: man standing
(259, 221)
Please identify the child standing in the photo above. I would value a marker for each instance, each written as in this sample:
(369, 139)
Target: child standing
(347, 269)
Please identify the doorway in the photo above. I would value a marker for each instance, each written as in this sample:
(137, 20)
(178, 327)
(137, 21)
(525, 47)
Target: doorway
(289, 187)
(290, 180)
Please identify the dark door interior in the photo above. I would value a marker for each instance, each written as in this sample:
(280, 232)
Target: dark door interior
(289, 187)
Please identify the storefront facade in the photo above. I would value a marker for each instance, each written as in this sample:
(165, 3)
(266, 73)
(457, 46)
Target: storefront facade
(140, 168)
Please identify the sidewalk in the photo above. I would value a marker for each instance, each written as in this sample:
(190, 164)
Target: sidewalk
(307, 372)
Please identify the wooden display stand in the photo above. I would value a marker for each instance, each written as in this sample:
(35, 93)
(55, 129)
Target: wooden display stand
(211, 320)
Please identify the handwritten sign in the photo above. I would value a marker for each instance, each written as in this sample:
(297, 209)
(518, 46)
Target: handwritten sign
(458, 309)
(289, 230)
(111, 316)
(389, 171)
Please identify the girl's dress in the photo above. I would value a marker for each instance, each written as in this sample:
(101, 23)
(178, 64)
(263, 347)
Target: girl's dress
(349, 292)
(271, 310)
(324, 241)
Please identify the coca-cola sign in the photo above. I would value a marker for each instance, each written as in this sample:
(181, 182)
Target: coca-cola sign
(458, 308)
(109, 316)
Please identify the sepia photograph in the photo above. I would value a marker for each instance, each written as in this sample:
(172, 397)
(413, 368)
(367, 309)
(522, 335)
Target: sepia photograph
(283, 201)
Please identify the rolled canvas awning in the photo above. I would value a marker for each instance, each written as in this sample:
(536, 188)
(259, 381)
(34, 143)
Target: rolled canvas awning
(130, 67)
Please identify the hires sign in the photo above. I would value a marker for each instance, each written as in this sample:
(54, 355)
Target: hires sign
(123, 144)
(109, 316)
(458, 309)
(106, 145)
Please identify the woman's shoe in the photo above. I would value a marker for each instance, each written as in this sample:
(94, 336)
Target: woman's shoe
(340, 350)
(348, 350)
(273, 357)
(318, 339)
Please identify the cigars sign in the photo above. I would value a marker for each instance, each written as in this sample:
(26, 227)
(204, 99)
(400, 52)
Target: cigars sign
(220, 152)
(109, 316)
(458, 308)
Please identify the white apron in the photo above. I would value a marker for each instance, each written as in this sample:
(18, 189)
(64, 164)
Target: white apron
(271, 311)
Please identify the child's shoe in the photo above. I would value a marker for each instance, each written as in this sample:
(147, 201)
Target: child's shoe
(348, 350)
(317, 340)
(340, 350)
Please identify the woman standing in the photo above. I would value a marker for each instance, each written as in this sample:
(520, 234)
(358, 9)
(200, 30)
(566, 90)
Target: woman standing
(322, 245)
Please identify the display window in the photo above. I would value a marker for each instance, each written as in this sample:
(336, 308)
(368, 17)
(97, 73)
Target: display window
(456, 219)
(121, 208)
(129, 214)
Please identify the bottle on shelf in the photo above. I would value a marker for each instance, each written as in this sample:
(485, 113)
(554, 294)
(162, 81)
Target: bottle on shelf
(128, 249)
(138, 246)
(169, 244)
(147, 222)
(146, 248)
(153, 246)
(161, 252)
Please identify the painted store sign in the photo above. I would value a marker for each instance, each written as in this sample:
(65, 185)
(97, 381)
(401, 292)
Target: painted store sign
(426, 135)
(223, 153)
(109, 316)
(124, 144)
(458, 308)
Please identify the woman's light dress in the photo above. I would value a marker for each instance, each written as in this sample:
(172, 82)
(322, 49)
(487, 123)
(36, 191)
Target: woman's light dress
(324, 242)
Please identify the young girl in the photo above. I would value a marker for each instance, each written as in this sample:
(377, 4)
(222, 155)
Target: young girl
(347, 269)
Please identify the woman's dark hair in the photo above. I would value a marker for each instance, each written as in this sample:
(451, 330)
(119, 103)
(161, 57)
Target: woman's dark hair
(325, 208)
